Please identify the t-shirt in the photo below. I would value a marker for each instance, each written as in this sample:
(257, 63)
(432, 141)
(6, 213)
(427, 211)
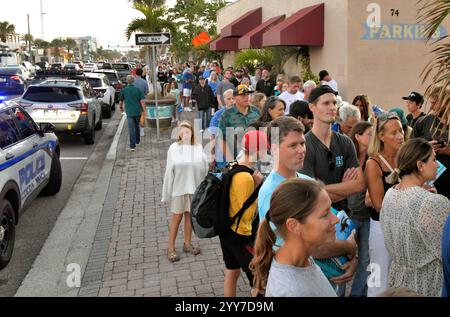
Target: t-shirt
(238, 122)
(266, 86)
(222, 87)
(292, 281)
(412, 121)
(332, 83)
(425, 128)
(265, 194)
(329, 165)
(132, 96)
(242, 187)
(186, 77)
(446, 259)
(289, 98)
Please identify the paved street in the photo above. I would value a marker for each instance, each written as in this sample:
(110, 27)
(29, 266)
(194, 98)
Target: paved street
(38, 220)
(129, 253)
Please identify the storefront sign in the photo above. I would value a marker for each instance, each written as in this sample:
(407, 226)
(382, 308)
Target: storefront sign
(400, 32)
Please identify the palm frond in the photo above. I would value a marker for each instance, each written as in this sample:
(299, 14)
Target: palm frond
(432, 13)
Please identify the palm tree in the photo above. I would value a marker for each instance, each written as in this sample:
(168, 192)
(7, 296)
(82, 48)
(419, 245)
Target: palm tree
(432, 13)
(154, 21)
(5, 29)
(56, 44)
(29, 39)
(70, 44)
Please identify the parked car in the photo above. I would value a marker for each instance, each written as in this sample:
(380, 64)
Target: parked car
(29, 166)
(70, 105)
(57, 66)
(30, 67)
(79, 63)
(113, 77)
(124, 69)
(104, 91)
(71, 66)
(88, 67)
(13, 80)
(43, 65)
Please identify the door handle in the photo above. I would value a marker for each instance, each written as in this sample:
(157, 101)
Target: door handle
(9, 156)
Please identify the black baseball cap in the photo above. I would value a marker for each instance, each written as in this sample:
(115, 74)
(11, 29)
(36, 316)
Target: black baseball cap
(414, 96)
(319, 91)
(300, 108)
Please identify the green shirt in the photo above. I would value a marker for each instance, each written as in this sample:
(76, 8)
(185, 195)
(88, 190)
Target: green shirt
(239, 122)
(132, 97)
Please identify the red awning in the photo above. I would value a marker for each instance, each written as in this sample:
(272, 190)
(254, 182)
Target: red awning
(254, 39)
(244, 24)
(305, 27)
(224, 44)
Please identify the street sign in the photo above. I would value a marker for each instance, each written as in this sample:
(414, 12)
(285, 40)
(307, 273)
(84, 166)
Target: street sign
(153, 39)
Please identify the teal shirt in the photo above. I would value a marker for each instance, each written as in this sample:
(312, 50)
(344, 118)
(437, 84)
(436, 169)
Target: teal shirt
(233, 118)
(132, 97)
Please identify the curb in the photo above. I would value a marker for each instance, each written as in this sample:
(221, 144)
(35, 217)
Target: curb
(71, 240)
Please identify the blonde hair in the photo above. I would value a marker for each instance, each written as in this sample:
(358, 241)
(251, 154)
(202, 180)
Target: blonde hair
(188, 125)
(376, 145)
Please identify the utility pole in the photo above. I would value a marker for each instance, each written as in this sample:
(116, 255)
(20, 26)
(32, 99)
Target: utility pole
(29, 39)
(42, 21)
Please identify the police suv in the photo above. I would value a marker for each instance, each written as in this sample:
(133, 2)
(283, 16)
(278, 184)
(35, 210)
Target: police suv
(29, 166)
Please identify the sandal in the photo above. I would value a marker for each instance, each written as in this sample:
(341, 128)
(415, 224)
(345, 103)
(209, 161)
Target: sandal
(191, 249)
(173, 256)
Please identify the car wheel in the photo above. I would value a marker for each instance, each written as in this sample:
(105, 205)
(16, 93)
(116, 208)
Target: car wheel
(99, 124)
(54, 184)
(108, 111)
(7, 232)
(89, 136)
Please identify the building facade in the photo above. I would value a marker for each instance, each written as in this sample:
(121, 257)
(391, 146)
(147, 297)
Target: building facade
(374, 48)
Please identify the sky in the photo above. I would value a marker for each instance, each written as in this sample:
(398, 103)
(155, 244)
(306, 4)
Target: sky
(106, 20)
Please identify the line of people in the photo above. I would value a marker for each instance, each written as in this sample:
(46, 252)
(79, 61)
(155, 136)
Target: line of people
(321, 153)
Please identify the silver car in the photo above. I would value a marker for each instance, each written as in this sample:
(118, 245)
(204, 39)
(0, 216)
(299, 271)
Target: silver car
(70, 105)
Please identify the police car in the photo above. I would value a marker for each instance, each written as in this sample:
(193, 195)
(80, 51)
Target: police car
(29, 166)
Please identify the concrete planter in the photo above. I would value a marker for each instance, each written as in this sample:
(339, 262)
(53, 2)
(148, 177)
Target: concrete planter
(165, 109)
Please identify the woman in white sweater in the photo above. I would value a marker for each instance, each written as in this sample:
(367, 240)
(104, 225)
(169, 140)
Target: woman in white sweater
(186, 168)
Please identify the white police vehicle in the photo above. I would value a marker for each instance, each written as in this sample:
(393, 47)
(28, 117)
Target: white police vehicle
(29, 166)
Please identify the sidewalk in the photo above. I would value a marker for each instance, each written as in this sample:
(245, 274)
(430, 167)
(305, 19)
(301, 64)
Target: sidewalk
(128, 257)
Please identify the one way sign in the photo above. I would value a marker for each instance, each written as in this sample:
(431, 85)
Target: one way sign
(153, 39)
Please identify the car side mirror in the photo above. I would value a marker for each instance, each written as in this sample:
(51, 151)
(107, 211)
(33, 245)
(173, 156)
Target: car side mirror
(47, 127)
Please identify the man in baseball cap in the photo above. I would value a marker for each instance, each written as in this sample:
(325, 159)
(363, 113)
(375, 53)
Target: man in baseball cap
(414, 102)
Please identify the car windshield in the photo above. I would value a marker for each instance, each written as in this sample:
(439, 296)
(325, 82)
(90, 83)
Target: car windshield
(112, 77)
(9, 71)
(52, 94)
(121, 66)
(95, 82)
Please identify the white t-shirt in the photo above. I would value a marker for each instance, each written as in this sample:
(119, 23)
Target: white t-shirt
(290, 98)
(332, 83)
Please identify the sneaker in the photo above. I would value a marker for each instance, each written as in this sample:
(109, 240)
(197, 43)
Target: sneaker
(132, 149)
(142, 132)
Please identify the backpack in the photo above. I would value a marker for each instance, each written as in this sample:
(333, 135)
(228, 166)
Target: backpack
(211, 202)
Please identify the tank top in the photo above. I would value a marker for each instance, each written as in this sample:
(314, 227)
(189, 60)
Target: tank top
(373, 213)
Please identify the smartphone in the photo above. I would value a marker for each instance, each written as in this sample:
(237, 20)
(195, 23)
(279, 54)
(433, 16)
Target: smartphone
(441, 143)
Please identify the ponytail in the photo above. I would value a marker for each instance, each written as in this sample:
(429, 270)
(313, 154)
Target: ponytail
(260, 265)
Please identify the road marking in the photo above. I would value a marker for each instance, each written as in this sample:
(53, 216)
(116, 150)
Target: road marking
(74, 158)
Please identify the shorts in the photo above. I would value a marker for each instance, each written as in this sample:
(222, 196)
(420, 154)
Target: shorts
(187, 92)
(181, 204)
(237, 252)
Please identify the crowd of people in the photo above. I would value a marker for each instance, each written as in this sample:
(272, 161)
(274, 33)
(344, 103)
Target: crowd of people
(315, 154)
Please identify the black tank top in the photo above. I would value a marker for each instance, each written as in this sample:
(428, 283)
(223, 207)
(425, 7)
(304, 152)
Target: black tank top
(373, 213)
